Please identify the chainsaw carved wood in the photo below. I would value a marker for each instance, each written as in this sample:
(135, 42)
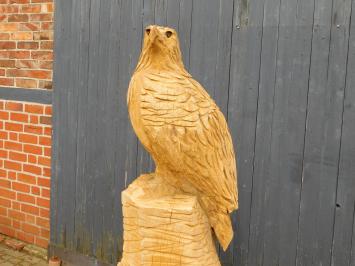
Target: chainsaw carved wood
(194, 186)
(164, 227)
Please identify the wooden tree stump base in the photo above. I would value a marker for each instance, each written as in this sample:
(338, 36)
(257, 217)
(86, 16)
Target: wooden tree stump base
(162, 226)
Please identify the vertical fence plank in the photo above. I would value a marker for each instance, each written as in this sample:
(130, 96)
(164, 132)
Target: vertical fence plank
(352, 251)
(115, 171)
(148, 12)
(69, 204)
(204, 29)
(295, 38)
(160, 12)
(82, 49)
(91, 161)
(265, 115)
(103, 141)
(123, 166)
(323, 133)
(343, 249)
(185, 20)
(173, 14)
(223, 54)
(65, 125)
(315, 165)
(63, 31)
(221, 80)
(242, 109)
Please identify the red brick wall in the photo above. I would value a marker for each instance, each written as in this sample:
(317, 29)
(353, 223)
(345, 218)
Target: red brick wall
(25, 149)
(26, 56)
(26, 43)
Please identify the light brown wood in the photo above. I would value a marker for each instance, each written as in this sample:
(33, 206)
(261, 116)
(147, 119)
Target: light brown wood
(164, 227)
(185, 133)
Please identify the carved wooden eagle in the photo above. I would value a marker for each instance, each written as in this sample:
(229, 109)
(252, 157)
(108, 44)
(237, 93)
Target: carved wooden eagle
(183, 129)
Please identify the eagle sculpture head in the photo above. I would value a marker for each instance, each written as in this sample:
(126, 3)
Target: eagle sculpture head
(161, 50)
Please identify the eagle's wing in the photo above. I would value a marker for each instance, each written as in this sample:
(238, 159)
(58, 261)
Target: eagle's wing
(197, 128)
(188, 135)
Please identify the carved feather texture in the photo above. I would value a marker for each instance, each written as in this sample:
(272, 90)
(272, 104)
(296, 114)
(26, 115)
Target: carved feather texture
(185, 133)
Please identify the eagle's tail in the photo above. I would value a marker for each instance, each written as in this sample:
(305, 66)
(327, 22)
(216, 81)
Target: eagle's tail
(222, 226)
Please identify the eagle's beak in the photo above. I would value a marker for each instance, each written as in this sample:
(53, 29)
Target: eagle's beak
(154, 33)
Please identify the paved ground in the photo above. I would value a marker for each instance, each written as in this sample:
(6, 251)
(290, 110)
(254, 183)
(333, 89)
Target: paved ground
(9, 257)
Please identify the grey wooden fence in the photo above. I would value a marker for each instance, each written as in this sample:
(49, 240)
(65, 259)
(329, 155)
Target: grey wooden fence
(283, 73)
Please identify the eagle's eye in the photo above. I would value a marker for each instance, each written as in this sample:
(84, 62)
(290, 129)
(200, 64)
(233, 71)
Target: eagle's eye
(168, 33)
(147, 31)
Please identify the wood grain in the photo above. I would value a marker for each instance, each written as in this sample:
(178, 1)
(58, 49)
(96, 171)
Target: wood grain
(164, 227)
